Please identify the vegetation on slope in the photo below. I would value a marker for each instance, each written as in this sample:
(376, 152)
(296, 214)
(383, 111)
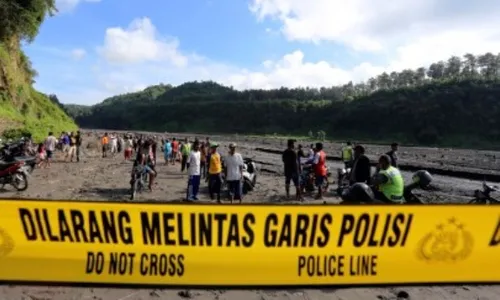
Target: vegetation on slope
(453, 103)
(21, 106)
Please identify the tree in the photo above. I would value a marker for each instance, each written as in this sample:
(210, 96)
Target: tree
(22, 18)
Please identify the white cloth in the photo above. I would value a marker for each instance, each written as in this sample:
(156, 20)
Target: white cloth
(194, 163)
(50, 143)
(233, 164)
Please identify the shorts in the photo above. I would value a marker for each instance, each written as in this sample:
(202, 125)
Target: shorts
(234, 187)
(319, 180)
(49, 154)
(294, 177)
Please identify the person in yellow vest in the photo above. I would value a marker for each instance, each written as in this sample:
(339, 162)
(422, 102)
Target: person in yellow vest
(214, 172)
(389, 182)
(185, 151)
(347, 155)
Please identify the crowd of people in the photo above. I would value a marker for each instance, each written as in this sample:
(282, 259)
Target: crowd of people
(387, 182)
(202, 161)
(69, 143)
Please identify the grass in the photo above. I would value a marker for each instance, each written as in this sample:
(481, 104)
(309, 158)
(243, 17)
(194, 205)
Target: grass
(21, 106)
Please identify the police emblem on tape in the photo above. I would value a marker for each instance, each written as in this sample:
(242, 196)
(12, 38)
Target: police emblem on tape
(449, 242)
(6, 243)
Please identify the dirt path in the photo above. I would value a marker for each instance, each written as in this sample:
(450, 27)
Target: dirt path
(107, 180)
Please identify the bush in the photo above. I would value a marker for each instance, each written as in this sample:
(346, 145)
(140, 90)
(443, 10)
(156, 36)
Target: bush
(16, 133)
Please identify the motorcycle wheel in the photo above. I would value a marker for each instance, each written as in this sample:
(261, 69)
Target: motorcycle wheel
(254, 179)
(19, 181)
(476, 201)
(134, 188)
(247, 186)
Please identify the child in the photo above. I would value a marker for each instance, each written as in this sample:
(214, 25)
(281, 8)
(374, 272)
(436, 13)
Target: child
(41, 155)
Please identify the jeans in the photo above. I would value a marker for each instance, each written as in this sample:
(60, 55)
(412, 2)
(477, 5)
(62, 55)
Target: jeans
(193, 187)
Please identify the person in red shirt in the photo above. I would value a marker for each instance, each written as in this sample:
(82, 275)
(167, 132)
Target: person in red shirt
(320, 171)
(175, 150)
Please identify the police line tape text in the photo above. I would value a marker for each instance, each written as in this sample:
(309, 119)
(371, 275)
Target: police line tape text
(337, 265)
(495, 238)
(215, 229)
(123, 263)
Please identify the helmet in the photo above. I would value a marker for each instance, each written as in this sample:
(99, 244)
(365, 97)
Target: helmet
(422, 178)
(358, 192)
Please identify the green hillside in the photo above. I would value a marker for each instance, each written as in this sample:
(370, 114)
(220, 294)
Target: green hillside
(21, 106)
(452, 103)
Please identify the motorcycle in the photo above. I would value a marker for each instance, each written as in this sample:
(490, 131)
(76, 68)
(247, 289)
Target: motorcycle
(307, 180)
(483, 196)
(13, 152)
(138, 182)
(15, 174)
(362, 193)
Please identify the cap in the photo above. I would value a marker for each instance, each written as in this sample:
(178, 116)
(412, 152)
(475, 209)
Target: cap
(232, 145)
(214, 145)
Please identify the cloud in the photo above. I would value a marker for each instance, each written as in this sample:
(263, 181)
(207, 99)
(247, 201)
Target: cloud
(68, 5)
(410, 32)
(78, 53)
(140, 43)
(381, 37)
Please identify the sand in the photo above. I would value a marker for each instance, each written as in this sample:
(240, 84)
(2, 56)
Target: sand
(95, 178)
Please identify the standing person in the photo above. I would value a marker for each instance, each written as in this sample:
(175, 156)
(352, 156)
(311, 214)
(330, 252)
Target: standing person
(175, 150)
(234, 173)
(114, 144)
(320, 171)
(72, 148)
(214, 172)
(104, 144)
(154, 148)
(66, 142)
(347, 155)
(185, 151)
(50, 147)
(203, 154)
(78, 145)
(167, 151)
(393, 154)
(291, 164)
(129, 145)
(361, 168)
(193, 164)
(41, 156)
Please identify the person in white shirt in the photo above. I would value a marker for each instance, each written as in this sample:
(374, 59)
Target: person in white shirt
(50, 146)
(114, 144)
(234, 173)
(193, 164)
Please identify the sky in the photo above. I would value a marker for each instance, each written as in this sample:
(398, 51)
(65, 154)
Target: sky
(94, 49)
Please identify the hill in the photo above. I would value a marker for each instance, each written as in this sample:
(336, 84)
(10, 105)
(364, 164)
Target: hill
(452, 103)
(22, 108)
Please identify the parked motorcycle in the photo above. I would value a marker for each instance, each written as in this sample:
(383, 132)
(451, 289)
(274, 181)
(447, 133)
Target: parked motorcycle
(138, 182)
(15, 174)
(483, 196)
(361, 193)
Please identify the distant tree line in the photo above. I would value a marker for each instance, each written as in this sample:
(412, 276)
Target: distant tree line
(449, 103)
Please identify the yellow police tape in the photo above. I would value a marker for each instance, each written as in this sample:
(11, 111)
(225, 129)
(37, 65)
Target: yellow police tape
(240, 245)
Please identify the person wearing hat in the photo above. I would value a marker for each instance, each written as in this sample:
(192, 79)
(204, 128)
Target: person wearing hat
(214, 172)
(234, 173)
